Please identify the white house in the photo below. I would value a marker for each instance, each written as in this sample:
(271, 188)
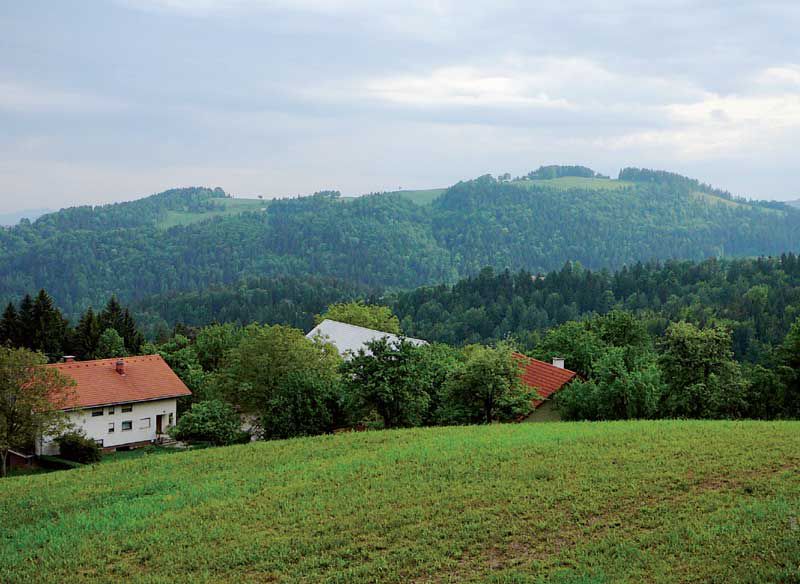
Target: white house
(120, 402)
(349, 338)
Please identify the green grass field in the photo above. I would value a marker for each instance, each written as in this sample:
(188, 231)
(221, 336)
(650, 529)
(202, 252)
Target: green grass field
(223, 208)
(568, 503)
(423, 196)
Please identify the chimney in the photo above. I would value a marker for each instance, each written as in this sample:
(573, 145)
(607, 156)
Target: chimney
(69, 358)
(558, 362)
(120, 366)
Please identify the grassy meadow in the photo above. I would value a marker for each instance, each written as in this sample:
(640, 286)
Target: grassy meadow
(565, 502)
(222, 208)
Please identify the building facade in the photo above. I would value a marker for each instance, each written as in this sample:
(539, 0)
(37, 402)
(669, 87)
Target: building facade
(120, 402)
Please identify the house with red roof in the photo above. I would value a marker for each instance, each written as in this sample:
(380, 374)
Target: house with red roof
(119, 403)
(546, 379)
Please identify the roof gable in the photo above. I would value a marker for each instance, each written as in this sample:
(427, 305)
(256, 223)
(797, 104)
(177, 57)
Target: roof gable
(97, 383)
(349, 338)
(545, 378)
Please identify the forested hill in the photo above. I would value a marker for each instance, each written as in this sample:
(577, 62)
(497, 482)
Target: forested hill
(190, 239)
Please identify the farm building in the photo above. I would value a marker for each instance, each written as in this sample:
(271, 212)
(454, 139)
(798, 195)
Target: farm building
(547, 379)
(120, 403)
(349, 338)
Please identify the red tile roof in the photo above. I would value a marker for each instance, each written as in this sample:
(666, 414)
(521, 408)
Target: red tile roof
(545, 378)
(98, 383)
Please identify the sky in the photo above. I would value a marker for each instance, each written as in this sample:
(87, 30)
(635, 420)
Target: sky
(109, 100)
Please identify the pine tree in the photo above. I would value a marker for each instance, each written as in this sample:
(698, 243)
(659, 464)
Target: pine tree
(87, 335)
(9, 326)
(26, 325)
(49, 326)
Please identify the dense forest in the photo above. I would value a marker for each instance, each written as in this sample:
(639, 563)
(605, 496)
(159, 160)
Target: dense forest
(714, 339)
(757, 299)
(84, 255)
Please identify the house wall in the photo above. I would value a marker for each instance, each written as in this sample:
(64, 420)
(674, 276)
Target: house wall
(546, 412)
(97, 427)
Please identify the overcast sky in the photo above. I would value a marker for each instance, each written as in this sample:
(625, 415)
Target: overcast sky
(111, 100)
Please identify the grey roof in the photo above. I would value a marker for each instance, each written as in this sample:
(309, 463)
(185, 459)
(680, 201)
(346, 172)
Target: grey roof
(349, 338)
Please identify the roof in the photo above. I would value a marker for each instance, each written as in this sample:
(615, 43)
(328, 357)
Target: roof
(349, 338)
(97, 383)
(547, 379)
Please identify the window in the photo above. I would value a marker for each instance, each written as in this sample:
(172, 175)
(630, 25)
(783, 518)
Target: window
(110, 411)
(97, 412)
(171, 419)
(111, 427)
(99, 442)
(127, 425)
(128, 408)
(144, 423)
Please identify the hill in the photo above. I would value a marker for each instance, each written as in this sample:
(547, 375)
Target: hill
(593, 502)
(190, 239)
(11, 219)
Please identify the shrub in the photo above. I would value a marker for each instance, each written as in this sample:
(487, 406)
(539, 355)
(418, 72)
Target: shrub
(213, 421)
(76, 447)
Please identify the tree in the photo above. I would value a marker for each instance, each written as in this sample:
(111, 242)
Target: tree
(303, 404)
(372, 316)
(116, 317)
(110, 345)
(10, 326)
(253, 372)
(87, 335)
(47, 326)
(575, 343)
(384, 377)
(26, 322)
(180, 355)
(487, 386)
(212, 342)
(790, 351)
(616, 391)
(30, 400)
(212, 421)
(704, 381)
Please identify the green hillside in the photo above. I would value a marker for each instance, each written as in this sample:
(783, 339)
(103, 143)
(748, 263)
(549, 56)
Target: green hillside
(219, 208)
(187, 240)
(421, 197)
(584, 502)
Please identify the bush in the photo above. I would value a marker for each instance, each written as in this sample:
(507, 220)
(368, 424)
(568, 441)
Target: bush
(76, 447)
(303, 405)
(213, 421)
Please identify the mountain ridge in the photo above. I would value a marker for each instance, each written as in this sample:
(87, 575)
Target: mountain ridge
(187, 240)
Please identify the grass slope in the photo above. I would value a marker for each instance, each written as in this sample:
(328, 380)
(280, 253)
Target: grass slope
(222, 208)
(601, 502)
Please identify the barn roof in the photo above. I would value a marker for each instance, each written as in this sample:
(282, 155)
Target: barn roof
(545, 378)
(349, 338)
(98, 383)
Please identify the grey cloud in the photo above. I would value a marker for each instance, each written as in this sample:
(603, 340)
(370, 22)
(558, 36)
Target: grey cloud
(285, 97)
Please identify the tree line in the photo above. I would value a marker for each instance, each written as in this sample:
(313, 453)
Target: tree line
(383, 241)
(38, 324)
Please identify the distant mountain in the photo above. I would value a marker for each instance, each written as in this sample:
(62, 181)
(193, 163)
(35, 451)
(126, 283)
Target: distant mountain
(9, 219)
(187, 240)
(794, 203)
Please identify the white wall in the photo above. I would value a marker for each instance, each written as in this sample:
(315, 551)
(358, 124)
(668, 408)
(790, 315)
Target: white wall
(97, 427)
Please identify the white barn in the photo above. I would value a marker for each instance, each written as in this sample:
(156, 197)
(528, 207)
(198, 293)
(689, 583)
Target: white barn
(349, 338)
